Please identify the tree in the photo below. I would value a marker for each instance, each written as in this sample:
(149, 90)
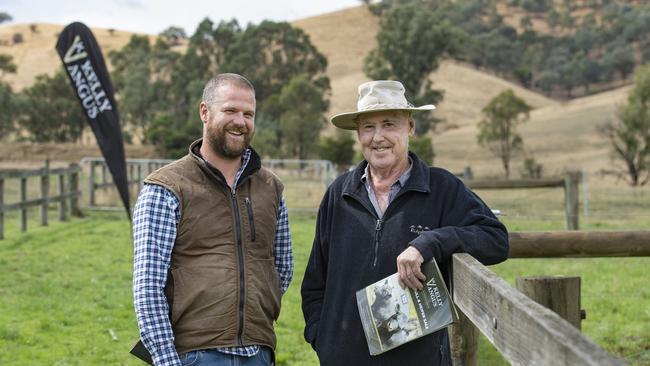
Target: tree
(302, 119)
(170, 138)
(497, 131)
(7, 110)
(621, 58)
(410, 43)
(270, 55)
(630, 135)
(7, 99)
(18, 38)
(4, 17)
(50, 111)
(159, 89)
(173, 35)
(535, 6)
(133, 76)
(6, 65)
(338, 149)
(422, 146)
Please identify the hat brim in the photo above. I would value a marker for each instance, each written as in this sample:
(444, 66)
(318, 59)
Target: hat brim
(347, 121)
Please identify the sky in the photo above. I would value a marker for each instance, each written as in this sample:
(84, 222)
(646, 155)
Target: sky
(149, 16)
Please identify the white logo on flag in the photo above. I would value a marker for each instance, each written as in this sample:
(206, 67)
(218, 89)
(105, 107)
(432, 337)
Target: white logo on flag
(76, 51)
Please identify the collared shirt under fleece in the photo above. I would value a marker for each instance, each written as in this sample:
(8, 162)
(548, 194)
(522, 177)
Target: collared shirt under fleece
(394, 189)
(156, 215)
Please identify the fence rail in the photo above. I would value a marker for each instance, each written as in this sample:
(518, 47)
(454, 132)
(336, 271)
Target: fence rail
(570, 182)
(66, 193)
(524, 332)
(556, 244)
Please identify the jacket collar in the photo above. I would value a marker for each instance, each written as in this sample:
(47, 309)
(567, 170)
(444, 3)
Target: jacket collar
(419, 180)
(254, 163)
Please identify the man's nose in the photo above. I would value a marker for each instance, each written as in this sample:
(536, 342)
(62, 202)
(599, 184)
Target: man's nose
(378, 134)
(239, 118)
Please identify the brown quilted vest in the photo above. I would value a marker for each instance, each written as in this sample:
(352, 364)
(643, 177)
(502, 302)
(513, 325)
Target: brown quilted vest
(223, 288)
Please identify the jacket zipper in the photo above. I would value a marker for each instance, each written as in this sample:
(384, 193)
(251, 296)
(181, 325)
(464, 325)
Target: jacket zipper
(251, 221)
(377, 235)
(240, 257)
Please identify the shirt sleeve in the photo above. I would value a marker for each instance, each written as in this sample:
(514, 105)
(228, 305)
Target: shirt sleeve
(283, 252)
(155, 217)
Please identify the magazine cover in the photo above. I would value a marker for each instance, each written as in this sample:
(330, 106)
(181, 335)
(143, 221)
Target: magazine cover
(392, 316)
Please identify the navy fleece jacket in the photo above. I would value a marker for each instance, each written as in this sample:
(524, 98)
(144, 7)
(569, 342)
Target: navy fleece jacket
(353, 248)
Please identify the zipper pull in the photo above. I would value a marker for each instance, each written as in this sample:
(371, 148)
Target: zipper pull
(378, 225)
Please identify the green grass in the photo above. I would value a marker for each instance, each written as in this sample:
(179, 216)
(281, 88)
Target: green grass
(65, 293)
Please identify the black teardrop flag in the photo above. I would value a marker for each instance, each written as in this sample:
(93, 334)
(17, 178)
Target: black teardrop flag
(84, 64)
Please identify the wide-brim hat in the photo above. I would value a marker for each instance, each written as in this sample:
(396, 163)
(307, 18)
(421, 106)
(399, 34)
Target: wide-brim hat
(375, 96)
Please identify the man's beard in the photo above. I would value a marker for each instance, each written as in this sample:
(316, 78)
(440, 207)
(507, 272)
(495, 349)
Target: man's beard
(226, 147)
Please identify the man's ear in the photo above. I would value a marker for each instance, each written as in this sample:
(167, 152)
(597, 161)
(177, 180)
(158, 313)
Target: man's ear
(411, 126)
(204, 112)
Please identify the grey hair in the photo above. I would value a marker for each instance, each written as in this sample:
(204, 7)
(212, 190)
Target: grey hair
(210, 90)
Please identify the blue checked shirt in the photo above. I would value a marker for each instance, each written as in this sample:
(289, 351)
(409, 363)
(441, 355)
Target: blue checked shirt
(156, 215)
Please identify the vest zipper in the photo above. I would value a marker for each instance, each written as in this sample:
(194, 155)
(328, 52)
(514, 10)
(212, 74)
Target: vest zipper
(377, 235)
(251, 220)
(240, 257)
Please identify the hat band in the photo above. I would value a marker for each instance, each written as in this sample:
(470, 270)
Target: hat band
(386, 106)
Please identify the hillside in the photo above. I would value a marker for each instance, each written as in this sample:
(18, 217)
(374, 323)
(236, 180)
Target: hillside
(36, 54)
(560, 134)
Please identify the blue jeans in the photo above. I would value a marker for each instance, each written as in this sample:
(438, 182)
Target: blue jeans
(213, 357)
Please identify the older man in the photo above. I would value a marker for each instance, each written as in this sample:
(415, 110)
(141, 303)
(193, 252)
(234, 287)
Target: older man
(212, 245)
(390, 214)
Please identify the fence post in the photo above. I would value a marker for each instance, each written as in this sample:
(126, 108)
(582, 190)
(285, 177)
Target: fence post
(464, 342)
(129, 178)
(2, 212)
(23, 210)
(45, 188)
(91, 184)
(139, 175)
(74, 189)
(62, 208)
(467, 173)
(558, 293)
(571, 182)
(104, 181)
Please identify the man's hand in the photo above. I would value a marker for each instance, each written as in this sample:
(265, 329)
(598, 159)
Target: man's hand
(408, 268)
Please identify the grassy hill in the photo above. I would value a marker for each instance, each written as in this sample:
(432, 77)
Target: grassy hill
(37, 55)
(560, 134)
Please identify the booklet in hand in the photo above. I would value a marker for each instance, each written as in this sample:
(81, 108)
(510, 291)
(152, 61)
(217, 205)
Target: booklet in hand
(392, 316)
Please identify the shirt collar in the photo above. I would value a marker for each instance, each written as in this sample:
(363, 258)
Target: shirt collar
(401, 180)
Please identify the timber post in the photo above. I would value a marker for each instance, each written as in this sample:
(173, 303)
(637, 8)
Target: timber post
(571, 199)
(464, 339)
(558, 293)
(45, 188)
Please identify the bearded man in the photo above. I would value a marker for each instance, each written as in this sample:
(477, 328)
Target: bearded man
(212, 249)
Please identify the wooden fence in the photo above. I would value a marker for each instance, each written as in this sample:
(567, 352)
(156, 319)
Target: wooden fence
(523, 331)
(99, 181)
(68, 195)
(99, 177)
(570, 182)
